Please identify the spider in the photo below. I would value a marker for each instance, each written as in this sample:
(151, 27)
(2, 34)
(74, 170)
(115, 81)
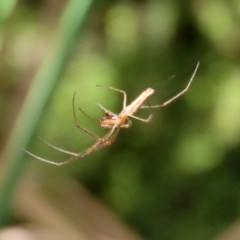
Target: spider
(113, 121)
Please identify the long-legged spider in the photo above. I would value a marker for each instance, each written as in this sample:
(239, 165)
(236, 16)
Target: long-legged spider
(114, 122)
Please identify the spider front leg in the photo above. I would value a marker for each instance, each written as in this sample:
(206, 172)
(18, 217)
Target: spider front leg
(107, 140)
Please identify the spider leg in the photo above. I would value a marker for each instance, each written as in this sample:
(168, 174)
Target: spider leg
(50, 161)
(84, 113)
(101, 143)
(117, 90)
(146, 120)
(58, 148)
(103, 108)
(77, 123)
(127, 125)
(164, 104)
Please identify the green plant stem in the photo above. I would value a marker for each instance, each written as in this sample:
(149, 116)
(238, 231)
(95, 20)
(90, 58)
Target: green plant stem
(39, 93)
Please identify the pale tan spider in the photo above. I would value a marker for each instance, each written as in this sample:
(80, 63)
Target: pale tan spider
(114, 122)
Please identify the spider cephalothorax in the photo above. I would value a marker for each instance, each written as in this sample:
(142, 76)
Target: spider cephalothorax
(111, 119)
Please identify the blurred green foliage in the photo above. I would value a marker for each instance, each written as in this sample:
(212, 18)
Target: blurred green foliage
(175, 178)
